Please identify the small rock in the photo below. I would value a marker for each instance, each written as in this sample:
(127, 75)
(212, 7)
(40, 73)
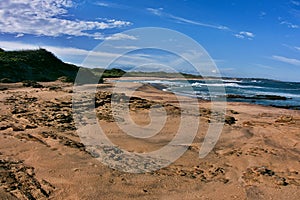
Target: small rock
(248, 123)
(281, 181)
(65, 79)
(76, 169)
(4, 125)
(3, 88)
(69, 91)
(30, 126)
(230, 120)
(34, 84)
(265, 171)
(55, 88)
(284, 119)
(234, 112)
(18, 127)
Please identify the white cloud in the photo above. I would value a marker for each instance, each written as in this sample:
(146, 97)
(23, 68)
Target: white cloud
(77, 56)
(156, 11)
(67, 54)
(10, 46)
(48, 18)
(289, 24)
(291, 61)
(248, 34)
(239, 36)
(19, 35)
(159, 12)
(127, 47)
(121, 36)
(110, 5)
(103, 4)
(297, 48)
(180, 19)
(139, 58)
(245, 34)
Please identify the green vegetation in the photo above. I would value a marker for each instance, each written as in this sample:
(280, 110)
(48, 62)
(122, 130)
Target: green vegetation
(36, 65)
(115, 73)
(108, 73)
(161, 75)
(42, 65)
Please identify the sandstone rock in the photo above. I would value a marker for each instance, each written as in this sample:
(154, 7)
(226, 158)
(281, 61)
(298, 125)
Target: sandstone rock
(230, 120)
(33, 84)
(284, 119)
(18, 127)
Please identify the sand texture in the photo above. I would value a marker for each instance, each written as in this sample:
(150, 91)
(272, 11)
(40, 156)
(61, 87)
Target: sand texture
(42, 156)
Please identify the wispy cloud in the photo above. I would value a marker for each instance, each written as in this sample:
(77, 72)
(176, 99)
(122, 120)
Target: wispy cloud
(103, 4)
(19, 35)
(245, 35)
(289, 24)
(140, 58)
(159, 12)
(48, 18)
(59, 51)
(262, 14)
(264, 66)
(67, 54)
(109, 4)
(180, 19)
(96, 58)
(296, 3)
(121, 36)
(297, 48)
(156, 11)
(291, 61)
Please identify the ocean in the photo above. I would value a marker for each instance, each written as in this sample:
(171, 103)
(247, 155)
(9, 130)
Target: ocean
(256, 91)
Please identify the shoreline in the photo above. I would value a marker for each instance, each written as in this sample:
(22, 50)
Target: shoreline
(229, 97)
(159, 86)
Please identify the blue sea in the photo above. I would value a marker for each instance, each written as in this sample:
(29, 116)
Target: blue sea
(256, 91)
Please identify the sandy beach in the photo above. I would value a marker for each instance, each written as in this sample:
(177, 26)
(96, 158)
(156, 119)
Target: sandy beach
(42, 157)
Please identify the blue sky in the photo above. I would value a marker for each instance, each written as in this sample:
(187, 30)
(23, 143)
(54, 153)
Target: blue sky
(245, 38)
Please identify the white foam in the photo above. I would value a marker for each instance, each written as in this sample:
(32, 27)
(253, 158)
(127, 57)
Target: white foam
(197, 84)
(231, 81)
